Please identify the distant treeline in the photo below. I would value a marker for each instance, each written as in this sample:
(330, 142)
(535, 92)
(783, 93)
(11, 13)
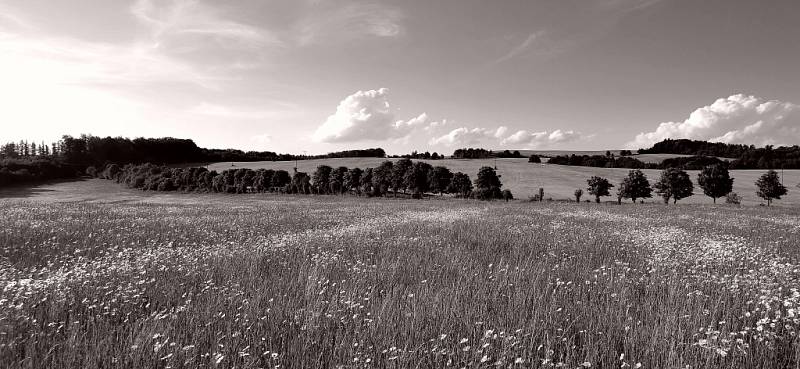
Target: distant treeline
(746, 156)
(401, 177)
(421, 155)
(23, 161)
(473, 153)
(611, 161)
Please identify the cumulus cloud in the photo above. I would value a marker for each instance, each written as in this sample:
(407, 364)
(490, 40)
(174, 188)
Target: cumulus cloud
(735, 119)
(526, 139)
(366, 116)
(465, 136)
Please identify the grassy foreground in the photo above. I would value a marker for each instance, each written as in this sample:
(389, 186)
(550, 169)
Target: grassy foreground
(269, 281)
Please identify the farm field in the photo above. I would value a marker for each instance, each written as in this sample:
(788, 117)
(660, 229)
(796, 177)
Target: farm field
(559, 182)
(118, 278)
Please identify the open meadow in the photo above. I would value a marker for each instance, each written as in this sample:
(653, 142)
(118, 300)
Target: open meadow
(116, 278)
(559, 181)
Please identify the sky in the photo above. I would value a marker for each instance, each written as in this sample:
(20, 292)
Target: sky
(320, 76)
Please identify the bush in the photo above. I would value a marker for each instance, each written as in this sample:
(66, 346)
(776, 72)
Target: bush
(507, 195)
(91, 171)
(733, 198)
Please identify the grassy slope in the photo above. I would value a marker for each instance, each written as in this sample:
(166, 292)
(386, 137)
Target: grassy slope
(559, 182)
(252, 281)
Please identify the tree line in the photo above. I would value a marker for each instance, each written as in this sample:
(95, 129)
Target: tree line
(611, 161)
(746, 156)
(24, 161)
(675, 184)
(401, 178)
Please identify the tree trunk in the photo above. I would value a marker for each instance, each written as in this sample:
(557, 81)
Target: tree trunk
(715, 200)
(597, 199)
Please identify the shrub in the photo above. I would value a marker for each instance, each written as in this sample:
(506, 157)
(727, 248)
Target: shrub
(733, 198)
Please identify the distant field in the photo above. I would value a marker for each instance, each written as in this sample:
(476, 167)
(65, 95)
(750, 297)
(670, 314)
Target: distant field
(96, 276)
(559, 182)
(658, 158)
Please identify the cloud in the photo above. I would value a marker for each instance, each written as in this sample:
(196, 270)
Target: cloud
(366, 116)
(349, 22)
(531, 140)
(465, 136)
(735, 119)
(192, 21)
(521, 48)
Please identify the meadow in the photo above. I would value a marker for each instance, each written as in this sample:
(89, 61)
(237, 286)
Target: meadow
(114, 278)
(559, 181)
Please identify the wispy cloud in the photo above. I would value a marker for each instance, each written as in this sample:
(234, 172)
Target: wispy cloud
(347, 23)
(177, 20)
(521, 48)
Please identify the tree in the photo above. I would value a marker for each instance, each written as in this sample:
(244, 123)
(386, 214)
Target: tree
(398, 176)
(507, 195)
(488, 184)
(674, 183)
(578, 194)
(770, 187)
(280, 179)
(301, 183)
(321, 178)
(382, 178)
(635, 186)
(417, 178)
(440, 179)
(599, 186)
(460, 184)
(337, 179)
(366, 181)
(352, 179)
(715, 180)
(534, 159)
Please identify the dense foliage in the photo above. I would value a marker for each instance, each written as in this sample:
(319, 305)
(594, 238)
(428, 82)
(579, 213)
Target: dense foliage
(404, 176)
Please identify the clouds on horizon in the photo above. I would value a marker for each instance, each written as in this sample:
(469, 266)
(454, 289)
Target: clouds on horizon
(368, 116)
(739, 118)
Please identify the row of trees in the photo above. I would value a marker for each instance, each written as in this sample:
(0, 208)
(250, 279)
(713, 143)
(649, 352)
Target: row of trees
(675, 184)
(402, 177)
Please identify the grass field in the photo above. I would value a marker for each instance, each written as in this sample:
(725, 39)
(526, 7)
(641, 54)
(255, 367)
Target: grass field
(559, 182)
(115, 278)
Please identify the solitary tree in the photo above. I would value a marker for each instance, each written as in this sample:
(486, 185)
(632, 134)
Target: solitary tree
(488, 184)
(635, 186)
(674, 183)
(461, 184)
(770, 187)
(715, 180)
(440, 178)
(578, 194)
(599, 186)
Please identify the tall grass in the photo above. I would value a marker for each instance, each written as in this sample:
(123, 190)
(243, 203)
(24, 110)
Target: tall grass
(250, 282)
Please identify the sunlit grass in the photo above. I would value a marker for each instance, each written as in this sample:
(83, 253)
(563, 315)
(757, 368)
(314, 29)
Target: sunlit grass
(348, 282)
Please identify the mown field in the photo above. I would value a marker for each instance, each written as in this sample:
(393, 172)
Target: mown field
(256, 281)
(559, 181)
